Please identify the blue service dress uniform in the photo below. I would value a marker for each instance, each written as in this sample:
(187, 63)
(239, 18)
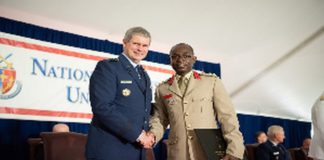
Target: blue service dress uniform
(269, 151)
(121, 105)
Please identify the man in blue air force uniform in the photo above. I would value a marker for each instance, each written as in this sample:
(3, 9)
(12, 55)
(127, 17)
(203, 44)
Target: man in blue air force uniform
(273, 149)
(120, 96)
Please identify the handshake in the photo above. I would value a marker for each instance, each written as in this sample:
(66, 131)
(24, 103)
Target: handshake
(146, 139)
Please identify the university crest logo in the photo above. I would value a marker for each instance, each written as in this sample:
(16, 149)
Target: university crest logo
(9, 86)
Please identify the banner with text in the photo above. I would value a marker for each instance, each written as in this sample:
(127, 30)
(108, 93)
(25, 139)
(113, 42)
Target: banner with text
(49, 82)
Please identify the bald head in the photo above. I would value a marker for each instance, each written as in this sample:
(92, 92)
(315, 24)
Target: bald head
(60, 128)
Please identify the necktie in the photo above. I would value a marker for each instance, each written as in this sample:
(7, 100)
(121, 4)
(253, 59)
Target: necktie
(182, 82)
(137, 69)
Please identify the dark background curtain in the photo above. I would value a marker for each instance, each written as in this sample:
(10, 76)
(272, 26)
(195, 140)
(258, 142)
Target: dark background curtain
(14, 133)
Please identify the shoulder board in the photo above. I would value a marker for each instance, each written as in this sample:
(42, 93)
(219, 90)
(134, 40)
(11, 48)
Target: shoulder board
(208, 74)
(168, 81)
(113, 60)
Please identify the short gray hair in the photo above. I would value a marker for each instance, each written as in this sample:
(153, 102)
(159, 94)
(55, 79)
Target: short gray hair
(136, 30)
(274, 129)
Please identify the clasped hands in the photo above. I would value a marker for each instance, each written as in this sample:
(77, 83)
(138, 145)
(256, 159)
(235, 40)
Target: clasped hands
(147, 139)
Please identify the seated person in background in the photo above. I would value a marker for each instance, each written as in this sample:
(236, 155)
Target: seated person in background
(260, 137)
(273, 149)
(61, 127)
(302, 153)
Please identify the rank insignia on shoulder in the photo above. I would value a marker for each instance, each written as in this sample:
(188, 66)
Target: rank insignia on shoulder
(113, 60)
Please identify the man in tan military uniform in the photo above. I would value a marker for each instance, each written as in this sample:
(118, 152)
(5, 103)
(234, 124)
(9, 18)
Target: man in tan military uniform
(194, 103)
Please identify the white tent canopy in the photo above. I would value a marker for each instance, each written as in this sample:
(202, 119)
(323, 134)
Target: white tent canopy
(271, 52)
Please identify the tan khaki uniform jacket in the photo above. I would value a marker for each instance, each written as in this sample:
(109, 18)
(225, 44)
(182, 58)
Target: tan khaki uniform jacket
(204, 98)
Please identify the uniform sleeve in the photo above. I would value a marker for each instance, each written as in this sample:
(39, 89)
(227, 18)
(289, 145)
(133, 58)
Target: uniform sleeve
(103, 88)
(159, 120)
(227, 117)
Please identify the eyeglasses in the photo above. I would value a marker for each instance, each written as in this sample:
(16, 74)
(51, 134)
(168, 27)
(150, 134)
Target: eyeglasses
(183, 56)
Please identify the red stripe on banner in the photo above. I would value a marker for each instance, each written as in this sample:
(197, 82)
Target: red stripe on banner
(48, 49)
(37, 47)
(157, 69)
(36, 112)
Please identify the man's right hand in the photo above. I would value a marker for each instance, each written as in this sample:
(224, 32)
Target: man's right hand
(147, 139)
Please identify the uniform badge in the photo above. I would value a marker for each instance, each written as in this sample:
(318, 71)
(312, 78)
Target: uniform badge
(169, 99)
(126, 92)
(168, 96)
(125, 82)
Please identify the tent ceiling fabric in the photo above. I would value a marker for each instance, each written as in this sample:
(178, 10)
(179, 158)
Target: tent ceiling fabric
(246, 37)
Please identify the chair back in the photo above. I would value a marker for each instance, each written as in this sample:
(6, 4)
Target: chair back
(35, 149)
(64, 145)
(251, 151)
